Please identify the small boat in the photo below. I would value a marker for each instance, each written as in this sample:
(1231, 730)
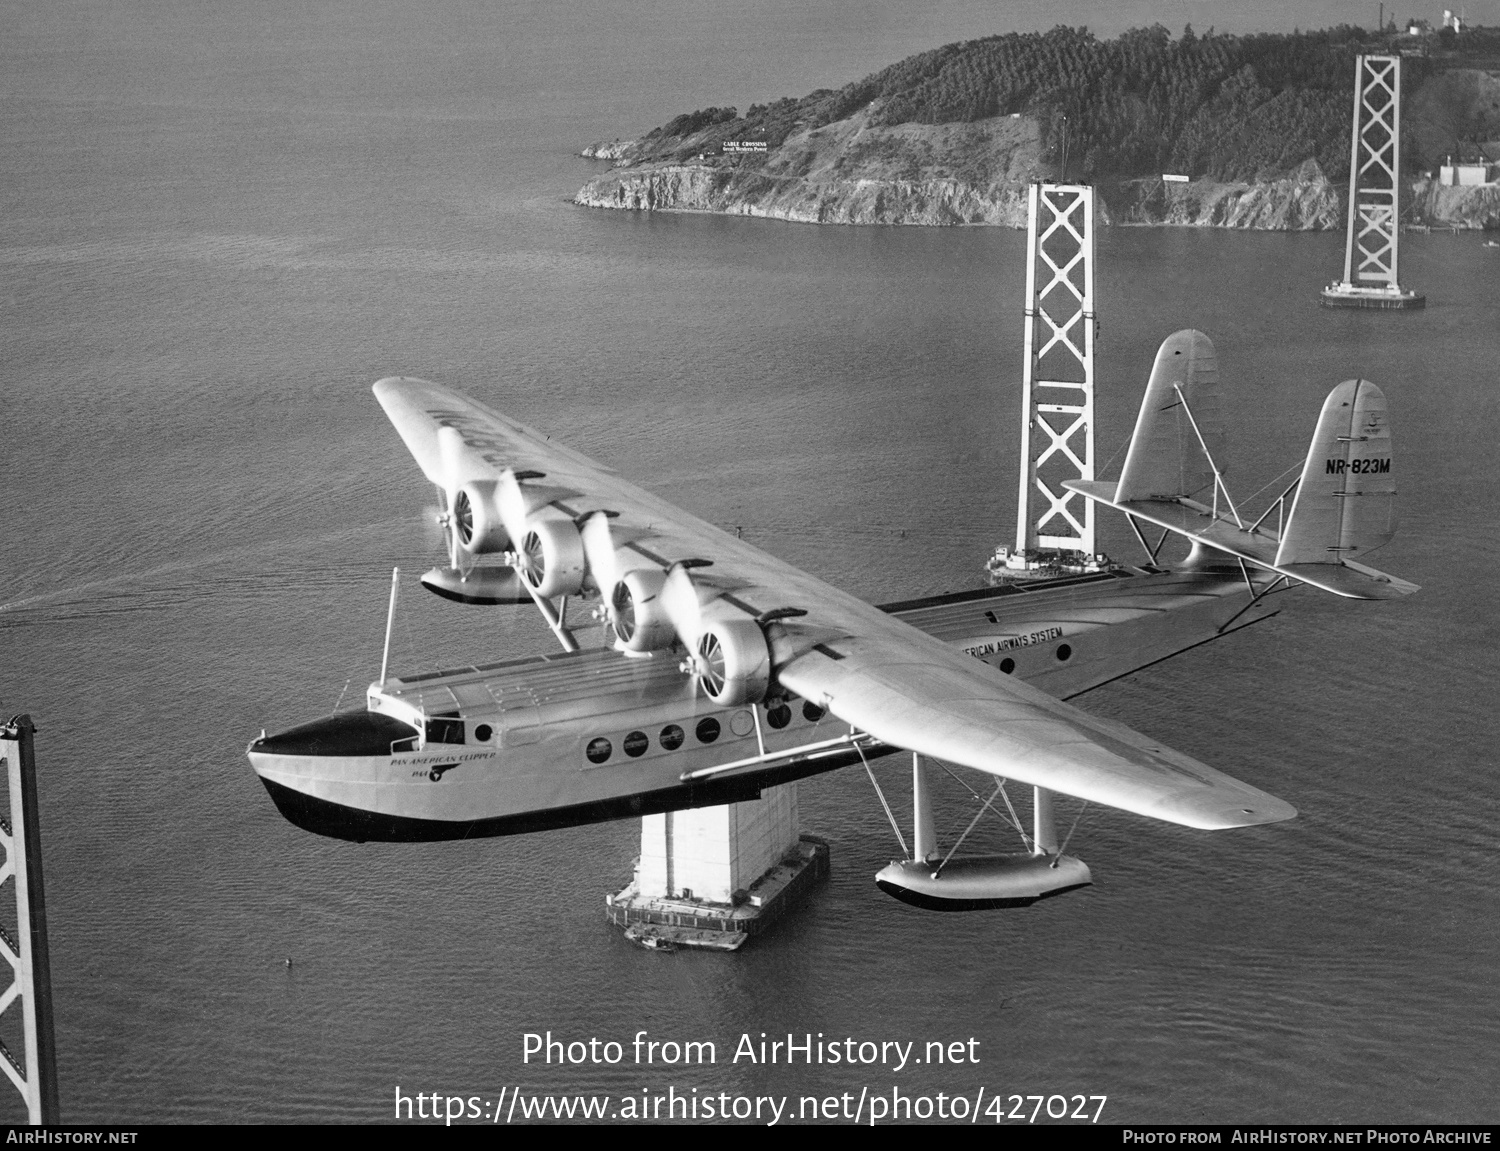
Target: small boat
(1492, 243)
(649, 938)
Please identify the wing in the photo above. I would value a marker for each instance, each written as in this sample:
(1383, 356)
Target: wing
(869, 669)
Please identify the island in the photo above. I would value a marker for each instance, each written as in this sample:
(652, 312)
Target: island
(1211, 130)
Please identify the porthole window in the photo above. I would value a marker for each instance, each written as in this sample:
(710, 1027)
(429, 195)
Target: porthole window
(599, 750)
(671, 737)
(1007, 665)
(635, 744)
(742, 723)
(1064, 652)
(707, 730)
(811, 712)
(483, 732)
(779, 716)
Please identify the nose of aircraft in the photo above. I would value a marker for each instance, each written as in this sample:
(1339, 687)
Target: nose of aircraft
(349, 733)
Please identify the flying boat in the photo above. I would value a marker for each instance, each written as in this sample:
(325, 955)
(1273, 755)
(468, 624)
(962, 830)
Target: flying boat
(729, 671)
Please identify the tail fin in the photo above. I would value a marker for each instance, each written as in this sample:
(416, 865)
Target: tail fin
(1166, 461)
(1346, 501)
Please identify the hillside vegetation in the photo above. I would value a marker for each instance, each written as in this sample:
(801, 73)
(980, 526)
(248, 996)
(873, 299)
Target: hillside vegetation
(1228, 108)
(1260, 123)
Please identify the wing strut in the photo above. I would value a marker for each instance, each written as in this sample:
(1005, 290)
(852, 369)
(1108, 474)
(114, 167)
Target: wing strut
(1150, 551)
(553, 617)
(1209, 456)
(901, 839)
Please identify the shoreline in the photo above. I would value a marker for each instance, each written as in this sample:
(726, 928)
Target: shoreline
(1303, 201)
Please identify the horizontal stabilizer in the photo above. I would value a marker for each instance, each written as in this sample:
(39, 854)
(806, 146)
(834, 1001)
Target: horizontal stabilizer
(1200, 524)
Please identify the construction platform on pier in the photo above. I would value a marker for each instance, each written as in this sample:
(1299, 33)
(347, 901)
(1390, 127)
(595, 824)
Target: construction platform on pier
(666, 923)
(1343, 295)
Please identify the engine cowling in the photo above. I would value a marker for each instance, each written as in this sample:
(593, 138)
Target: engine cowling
(733, 661)
(476, 519)
(554, 556)
(640, 621)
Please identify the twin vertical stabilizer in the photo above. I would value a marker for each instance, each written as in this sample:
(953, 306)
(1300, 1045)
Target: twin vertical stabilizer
(1345, 502)
(1166, 460)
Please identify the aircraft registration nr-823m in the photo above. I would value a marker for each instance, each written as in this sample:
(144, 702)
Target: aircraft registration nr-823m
(732, 671)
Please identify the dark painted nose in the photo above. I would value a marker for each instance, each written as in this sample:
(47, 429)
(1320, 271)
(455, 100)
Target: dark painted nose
(350, 733)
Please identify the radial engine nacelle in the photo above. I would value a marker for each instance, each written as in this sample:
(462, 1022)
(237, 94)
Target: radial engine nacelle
(476, 521)
(551, 555)
(637, 614)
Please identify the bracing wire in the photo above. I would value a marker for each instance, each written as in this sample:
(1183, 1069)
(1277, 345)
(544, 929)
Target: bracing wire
(1271, 483)
(1068, 838)
(999, 787)
(1015, 820)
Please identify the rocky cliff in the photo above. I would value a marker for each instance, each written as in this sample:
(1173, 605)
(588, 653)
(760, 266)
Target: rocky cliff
(1304, 201)
(1449, 207)
(944, 174)
(847, 172)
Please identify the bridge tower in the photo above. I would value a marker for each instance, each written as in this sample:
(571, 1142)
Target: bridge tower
(1057, 424)
(34, 1072)
(1371, 246)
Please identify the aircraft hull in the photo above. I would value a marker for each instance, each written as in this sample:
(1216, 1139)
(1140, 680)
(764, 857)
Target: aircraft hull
(522, 731)
(341, 776)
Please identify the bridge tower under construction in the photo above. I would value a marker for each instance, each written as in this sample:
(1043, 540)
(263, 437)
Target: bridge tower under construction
(1372, 241)
(1055, 526)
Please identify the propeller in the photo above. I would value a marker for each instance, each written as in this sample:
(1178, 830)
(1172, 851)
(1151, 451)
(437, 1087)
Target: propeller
(727, 654)
(462, 468)
(516, 505)
(683, 599)
(599, 548)
(436, 523)
(545, 545)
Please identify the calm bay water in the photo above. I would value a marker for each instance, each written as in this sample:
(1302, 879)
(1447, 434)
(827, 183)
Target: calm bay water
(221, 230)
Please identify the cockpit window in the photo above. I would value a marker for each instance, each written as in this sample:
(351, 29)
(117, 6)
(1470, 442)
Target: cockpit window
(445, 729)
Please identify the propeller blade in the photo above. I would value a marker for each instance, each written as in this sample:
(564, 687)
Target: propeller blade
(599, 549)
(683, 603)
(511, 501)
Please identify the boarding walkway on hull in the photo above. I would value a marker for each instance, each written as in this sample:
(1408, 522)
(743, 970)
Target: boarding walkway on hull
(1066, 636)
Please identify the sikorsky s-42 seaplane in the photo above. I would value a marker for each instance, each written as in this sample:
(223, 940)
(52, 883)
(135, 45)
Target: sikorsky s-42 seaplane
(730, 671)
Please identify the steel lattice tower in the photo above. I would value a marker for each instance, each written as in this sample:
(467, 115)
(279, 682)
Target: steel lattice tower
(1371, 248)
(34, 1072)
(1058, 388)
